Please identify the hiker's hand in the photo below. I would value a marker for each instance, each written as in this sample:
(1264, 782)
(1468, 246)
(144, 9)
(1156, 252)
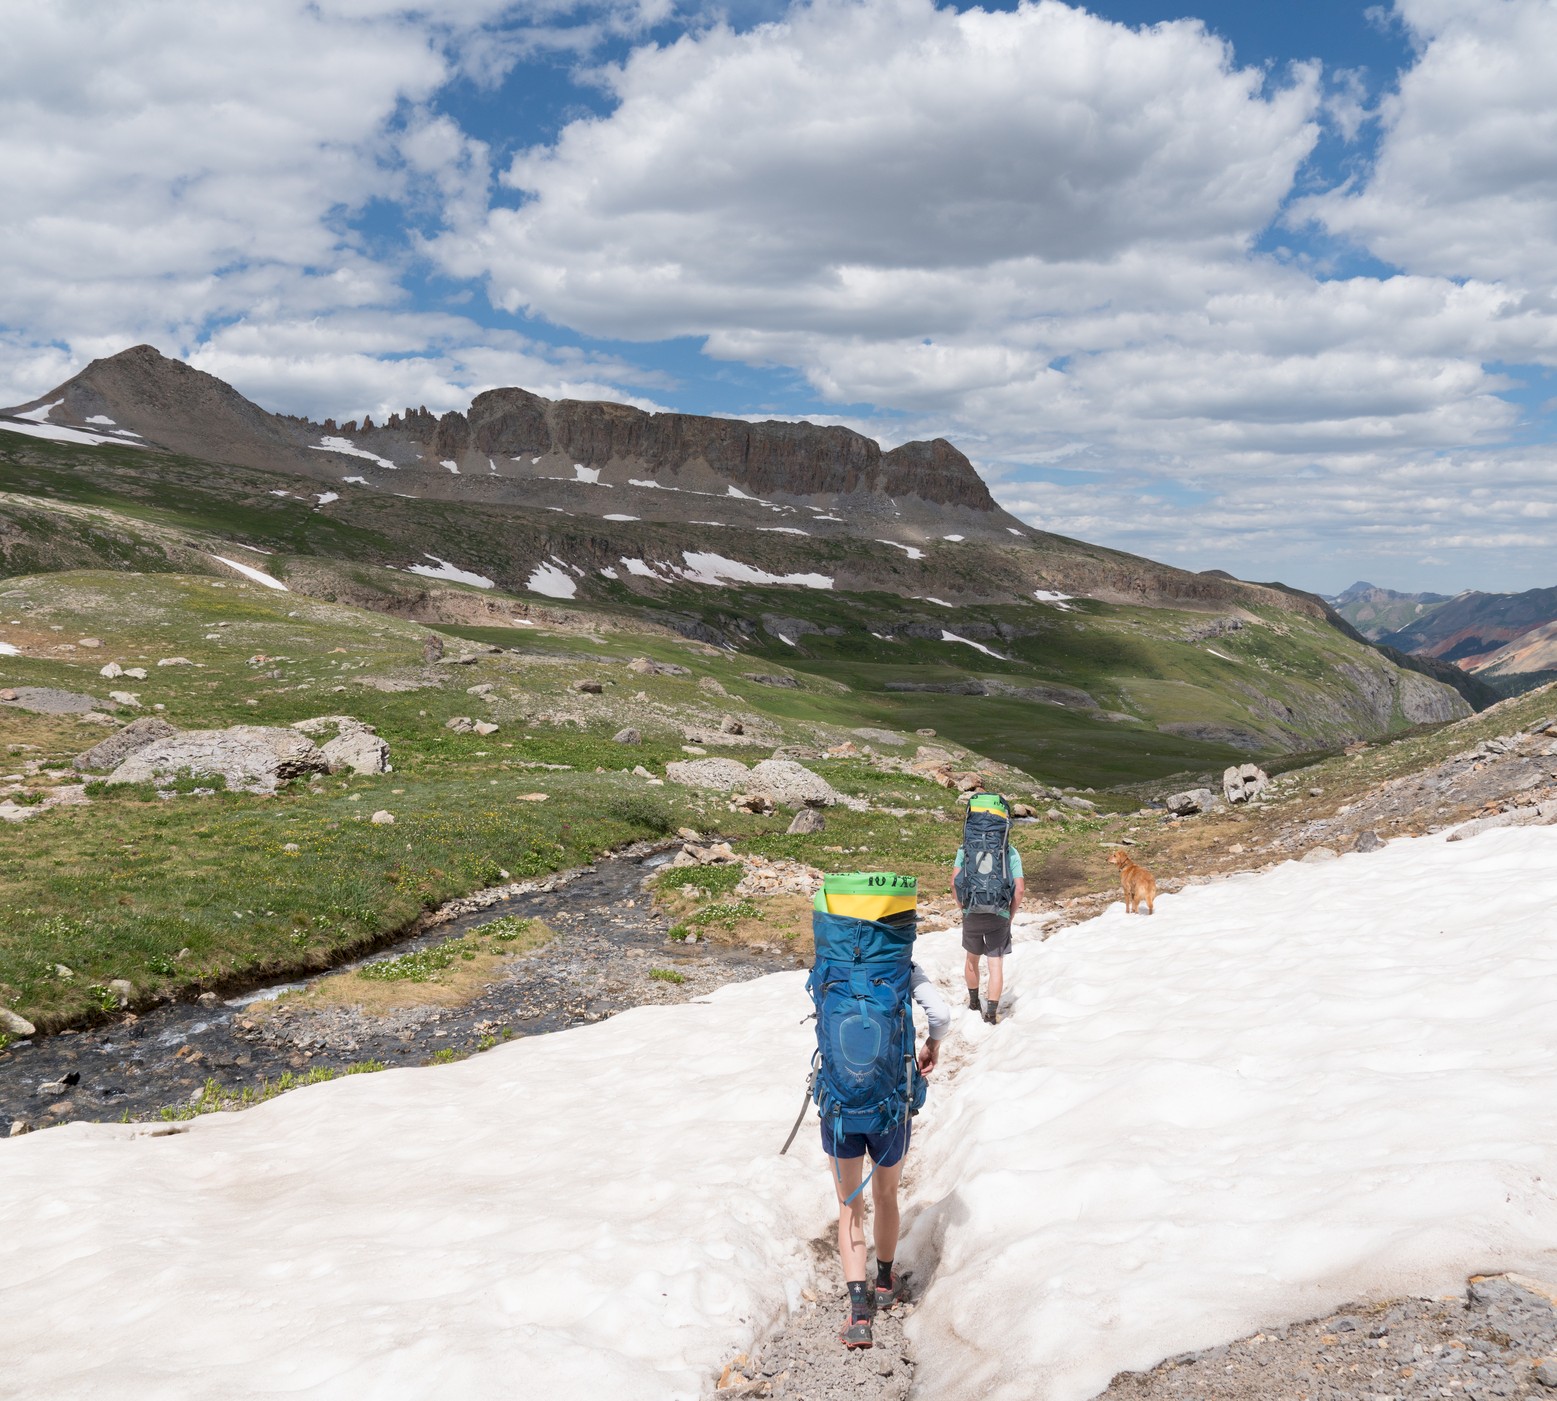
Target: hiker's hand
(929, 1054)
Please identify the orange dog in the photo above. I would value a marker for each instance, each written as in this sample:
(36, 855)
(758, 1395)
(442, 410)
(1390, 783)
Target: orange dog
(1137, 882)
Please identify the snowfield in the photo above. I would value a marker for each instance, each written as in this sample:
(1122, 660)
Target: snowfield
(345, 445)
(1281, 1092)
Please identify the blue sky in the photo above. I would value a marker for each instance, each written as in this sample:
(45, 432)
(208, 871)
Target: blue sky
(1255, 287)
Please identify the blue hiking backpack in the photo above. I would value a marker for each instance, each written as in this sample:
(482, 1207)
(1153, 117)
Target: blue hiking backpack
(983, 883)
(865, 1077)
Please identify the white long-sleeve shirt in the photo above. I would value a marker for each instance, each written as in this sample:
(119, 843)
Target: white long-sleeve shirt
(929, 998)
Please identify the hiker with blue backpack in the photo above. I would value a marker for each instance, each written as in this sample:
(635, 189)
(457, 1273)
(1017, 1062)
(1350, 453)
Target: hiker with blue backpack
(987, 881)
(867, 1081)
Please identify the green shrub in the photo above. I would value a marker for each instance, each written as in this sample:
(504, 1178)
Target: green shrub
(667, 975)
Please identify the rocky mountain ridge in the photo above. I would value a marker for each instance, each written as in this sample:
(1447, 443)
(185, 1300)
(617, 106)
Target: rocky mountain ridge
(512, 446)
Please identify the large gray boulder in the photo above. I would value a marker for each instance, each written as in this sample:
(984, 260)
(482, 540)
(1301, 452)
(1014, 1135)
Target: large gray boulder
(113, 751)
(792, 785)
(1242, 783)
(356, 748)
(252, 758)
(1191, 801)
(356, 751)
(720, 775)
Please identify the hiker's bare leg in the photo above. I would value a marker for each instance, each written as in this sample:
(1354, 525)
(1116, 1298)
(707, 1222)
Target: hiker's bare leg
(997, 977)
(883, 1191)
(970, 970)
(846, 1174)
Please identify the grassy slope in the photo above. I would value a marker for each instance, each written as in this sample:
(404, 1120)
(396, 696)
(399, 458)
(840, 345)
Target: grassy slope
(120, 888)
(1279, 691)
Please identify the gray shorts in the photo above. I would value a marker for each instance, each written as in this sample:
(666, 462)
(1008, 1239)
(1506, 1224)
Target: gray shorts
(987, 934)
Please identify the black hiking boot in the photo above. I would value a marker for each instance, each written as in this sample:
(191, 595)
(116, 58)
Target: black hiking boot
(992, 1012)
(973, 1000)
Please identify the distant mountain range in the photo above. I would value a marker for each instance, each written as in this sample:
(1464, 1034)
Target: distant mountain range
(1508, 640)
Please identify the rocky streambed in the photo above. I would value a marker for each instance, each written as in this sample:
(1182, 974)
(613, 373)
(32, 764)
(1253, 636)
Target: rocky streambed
(610, 940)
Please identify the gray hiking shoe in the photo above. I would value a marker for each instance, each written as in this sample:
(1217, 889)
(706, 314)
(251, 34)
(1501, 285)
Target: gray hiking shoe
(857, 1333)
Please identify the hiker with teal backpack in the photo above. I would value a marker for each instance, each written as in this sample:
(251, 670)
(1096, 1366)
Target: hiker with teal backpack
(987, 881)
(867, 1081)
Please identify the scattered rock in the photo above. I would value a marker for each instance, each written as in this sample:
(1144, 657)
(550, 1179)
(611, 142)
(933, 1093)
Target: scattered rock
(112, 670)
(1320, 853)
(19, 1127)
(890, 738)
(125, 698)
(485, 688)
(252, 758)
(291, 846)
(49, 700)
(707, 683)
(175, 661)
(729, 725)
(137, 672)
(759, 803)
(460, 724)
(1087, 805)
(1545, 1371)
(532, 797)
(925, 734)
(641, 772)
(432, 649)
(1368, 841)
(808, 821)
(1241, 783)
(15, 1024)
(763, 678)
(123, 989)
(89, 642)
(588, 688)
(468, 659)
(484, 727)
(113, 751)
(1191, 801)
(645, 666)
(627, 736)
(1023, 810)
(381, 818)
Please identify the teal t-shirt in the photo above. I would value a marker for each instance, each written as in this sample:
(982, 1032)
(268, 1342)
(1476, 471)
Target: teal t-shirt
(1013, 864)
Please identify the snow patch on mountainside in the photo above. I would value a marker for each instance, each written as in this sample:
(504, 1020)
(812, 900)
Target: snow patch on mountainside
(250, 572)
(442, 569)
(977, 646)
(348, 447)
(59, 433)
(550, 580)
(705, 568)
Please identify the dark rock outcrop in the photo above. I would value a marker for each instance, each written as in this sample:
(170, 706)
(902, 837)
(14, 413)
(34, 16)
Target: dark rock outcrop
(770, 458)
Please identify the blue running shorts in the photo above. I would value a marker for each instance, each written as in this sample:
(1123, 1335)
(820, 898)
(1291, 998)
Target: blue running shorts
(885, 1149)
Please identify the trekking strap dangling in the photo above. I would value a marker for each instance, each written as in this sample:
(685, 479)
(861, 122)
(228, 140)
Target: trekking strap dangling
(805, 1104)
